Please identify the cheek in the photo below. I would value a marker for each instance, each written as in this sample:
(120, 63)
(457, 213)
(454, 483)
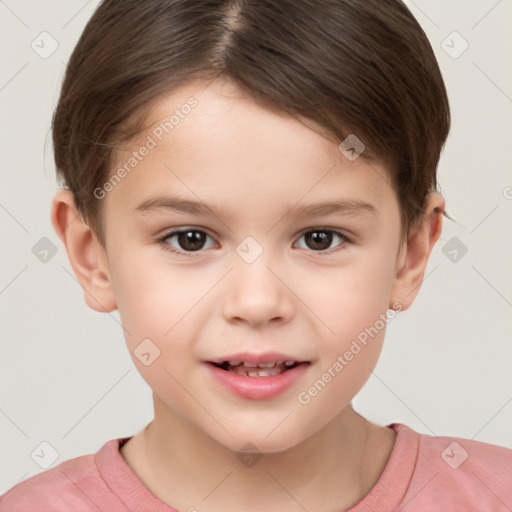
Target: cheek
(163, 304)
(150, 298)
(347, 300)
(357, 312)
(157, 316)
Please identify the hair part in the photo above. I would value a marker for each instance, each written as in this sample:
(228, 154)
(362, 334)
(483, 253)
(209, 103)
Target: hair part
(362, 67)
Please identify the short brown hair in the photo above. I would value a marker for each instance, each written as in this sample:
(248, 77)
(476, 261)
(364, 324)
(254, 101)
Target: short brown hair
(351, 66)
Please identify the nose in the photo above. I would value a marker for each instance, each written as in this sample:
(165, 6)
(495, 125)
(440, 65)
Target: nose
(256, 294)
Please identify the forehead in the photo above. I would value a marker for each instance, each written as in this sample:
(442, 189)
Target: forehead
(209, 138)
(216, 114)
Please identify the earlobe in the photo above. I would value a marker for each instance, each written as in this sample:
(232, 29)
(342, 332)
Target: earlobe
(86, 256)
(413, 257)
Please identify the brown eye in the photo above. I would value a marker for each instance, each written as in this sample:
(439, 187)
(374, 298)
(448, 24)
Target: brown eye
(320, 240)
(186, 240)
(191, 240)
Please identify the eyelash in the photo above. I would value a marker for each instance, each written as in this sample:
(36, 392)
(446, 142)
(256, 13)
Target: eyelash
(167, 247)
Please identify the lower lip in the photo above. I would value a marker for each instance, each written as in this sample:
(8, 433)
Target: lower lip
(257, 388)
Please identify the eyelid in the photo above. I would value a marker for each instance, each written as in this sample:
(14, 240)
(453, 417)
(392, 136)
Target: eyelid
(181, 229)
(341, 231)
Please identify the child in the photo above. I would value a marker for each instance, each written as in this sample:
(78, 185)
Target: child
(265, 129)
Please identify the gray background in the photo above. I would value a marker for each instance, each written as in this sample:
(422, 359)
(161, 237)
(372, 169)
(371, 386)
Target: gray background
(66, 376)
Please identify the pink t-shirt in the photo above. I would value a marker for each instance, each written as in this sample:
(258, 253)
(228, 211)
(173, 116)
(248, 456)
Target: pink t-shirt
(424, 473)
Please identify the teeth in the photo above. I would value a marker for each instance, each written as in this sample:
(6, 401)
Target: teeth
(258, 370)
(235, 362)
(266, 372)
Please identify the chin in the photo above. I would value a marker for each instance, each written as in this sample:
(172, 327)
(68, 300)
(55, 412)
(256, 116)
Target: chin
(255, 441)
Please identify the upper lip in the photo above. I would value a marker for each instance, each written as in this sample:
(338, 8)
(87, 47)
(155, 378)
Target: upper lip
(257, 358)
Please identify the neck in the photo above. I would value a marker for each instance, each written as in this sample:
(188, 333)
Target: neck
(185, 468)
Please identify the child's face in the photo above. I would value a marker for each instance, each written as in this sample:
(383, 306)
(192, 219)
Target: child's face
(257, 282)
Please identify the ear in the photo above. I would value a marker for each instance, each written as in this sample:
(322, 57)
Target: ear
(413, 256)
(85, 253)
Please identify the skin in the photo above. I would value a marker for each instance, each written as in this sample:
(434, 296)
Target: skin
(256, 163)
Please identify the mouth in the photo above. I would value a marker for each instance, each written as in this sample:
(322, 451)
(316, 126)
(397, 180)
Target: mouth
(257, 376)
(249, 369)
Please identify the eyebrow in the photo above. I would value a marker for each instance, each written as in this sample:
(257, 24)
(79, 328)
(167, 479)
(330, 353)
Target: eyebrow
(180, 205)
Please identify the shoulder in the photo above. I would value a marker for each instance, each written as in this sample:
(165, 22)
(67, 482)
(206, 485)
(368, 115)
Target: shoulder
(456, 472)
(74, 484)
